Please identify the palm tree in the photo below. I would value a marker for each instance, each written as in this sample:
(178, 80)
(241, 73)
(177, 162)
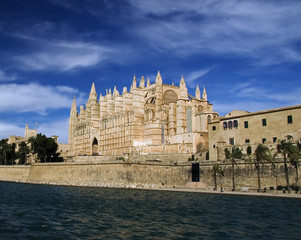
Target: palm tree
(288, 151)
(217, 170)
(233, 155)
(294, 161)
(262, 154)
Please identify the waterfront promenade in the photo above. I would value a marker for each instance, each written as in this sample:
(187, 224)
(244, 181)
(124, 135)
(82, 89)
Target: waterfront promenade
(260, 194)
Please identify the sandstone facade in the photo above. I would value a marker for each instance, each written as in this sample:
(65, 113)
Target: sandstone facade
(245, 129)
(149, 119)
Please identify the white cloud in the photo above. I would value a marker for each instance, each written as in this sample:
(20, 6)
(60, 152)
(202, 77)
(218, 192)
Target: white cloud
(58, 128)
(265, 31)
(7, 129)
(252, 96)
(62, 56)
(7, 77)
(33, 97)
(191, 78)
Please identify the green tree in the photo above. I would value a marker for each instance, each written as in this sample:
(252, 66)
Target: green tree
(45, 148)
(22, 153)
(288, 151)
(217, 171)
(262, 154)
(235, 153)
(7, 152)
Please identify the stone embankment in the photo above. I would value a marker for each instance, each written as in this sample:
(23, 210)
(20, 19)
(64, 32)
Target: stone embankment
(147, 175)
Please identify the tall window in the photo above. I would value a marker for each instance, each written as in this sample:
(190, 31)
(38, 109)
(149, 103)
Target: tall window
(189, 119)
(235, 123)
(274, 139)
(264, 122)
(231, 141)
(225, 125)
(246, 124)
(289, 119)
(230, 124)
(214, 128)
(264, 140)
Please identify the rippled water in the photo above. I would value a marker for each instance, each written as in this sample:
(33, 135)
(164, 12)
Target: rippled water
(59, 212)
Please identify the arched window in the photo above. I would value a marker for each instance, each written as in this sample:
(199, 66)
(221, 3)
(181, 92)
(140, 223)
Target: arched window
(235, 123)
(225, 125)
(230, 124)
(95, 147)
(209, 119)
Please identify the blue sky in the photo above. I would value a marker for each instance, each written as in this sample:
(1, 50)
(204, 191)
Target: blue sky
(246, 53)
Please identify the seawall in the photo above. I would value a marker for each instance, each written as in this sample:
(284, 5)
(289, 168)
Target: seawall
(143, 175)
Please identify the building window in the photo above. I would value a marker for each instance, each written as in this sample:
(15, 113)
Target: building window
(247, 140)
(230, 124)
(231, 141)
(289, 119)
(214, 128)
(274, 139)
(264, 140)
(246, 124)
(225, 125)
(213, 146)
(264, 122)
(235, 123)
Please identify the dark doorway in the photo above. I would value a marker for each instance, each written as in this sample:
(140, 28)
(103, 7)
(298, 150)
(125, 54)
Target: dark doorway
(195, 169)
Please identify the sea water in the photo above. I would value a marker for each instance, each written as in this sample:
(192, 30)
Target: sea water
(31, 211)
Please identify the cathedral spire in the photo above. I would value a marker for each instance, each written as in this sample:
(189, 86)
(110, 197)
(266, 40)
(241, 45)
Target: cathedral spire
(183, 89)
(134, 84)
(115, 92)
(159, 78)
(142, 82)
(93, 94)
(182, 83)
(73, 112)
(204, 94)
(197, 92)
(148, 82)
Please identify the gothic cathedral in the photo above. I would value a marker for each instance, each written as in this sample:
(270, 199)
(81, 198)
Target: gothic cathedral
(149, 119)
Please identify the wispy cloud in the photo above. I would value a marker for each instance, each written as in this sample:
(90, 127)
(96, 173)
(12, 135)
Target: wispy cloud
(33, 97)
(62, 55)
(58, 128)
(264, 31)
(252, 96)
(193, 77)
(4, 77)
(7, 129)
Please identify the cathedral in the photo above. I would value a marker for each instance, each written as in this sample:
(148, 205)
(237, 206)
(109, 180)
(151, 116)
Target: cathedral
(149, 119)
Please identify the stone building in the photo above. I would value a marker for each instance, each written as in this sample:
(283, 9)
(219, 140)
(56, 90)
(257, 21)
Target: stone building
(18, 139)
(248, 129)
(149, 119)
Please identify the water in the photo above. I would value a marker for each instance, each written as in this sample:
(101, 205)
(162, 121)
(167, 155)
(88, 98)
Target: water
(59, 212)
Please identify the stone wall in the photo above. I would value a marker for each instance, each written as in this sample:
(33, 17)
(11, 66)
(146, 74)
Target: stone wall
(14, 173)
(144, 175)
(110, 174)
